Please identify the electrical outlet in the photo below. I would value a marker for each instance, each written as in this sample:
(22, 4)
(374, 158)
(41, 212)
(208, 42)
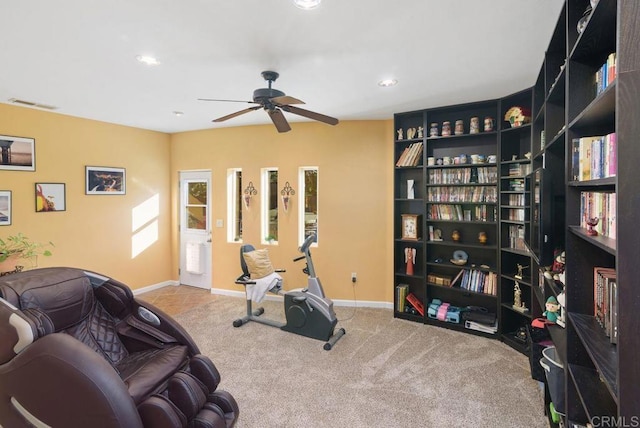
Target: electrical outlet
(354, 277)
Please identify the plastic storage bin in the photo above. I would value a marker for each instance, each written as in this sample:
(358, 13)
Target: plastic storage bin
(554, 371)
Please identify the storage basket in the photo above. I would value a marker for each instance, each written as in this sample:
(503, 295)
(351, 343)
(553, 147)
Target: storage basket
(554, 370)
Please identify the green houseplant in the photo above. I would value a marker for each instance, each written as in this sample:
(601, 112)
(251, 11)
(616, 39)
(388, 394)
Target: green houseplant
(18, 247)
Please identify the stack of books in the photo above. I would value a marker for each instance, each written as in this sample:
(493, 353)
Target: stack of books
(411, 155)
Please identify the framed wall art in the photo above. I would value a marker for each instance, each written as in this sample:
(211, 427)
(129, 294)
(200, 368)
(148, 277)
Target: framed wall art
(102, 180)
(50, 197)
(17, 153)
(5, 207)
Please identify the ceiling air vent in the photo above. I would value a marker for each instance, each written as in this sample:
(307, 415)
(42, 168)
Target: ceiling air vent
(31, 104)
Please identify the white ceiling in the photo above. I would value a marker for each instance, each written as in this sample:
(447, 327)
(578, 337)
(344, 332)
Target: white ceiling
(79, 55)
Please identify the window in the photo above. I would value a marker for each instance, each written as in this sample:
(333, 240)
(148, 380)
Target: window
(234, 205)
(196, 205)
(269, 199)
(308, 208)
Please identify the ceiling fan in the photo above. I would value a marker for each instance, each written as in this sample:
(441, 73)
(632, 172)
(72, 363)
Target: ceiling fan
(274, 102)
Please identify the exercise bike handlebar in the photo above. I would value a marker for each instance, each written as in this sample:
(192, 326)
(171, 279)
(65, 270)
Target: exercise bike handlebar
(297, 259)
(307, 243)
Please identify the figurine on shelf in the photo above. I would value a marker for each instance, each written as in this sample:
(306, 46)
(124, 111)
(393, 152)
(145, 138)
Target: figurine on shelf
(561, 301)
(556, 270)
(410, 259)
(399, 131)
(411, 132)
(517, 295)
(552, 307)
(592, 222)
(520, 274)
(518, 304)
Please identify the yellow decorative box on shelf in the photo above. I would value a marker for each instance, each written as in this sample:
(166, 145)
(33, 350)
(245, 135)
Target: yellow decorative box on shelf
(518, 116)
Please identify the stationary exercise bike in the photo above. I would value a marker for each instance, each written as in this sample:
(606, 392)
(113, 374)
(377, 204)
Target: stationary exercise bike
(308, 311)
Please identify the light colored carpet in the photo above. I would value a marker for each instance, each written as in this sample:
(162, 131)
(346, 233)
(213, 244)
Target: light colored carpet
(384, 372)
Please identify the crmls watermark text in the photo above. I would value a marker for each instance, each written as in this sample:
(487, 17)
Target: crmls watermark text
(616, 421)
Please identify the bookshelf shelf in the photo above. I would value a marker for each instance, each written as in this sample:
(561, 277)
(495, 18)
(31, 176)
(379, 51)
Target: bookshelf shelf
(603, 354)
(590, 392)
(605, 243)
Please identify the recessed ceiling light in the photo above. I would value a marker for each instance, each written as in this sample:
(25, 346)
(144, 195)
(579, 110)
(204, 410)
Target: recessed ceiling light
(387, 82)
(307, 4)
(178, 113)
(149, 60)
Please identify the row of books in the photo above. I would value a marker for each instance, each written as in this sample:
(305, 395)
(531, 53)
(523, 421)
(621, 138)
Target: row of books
(605, 301)
(519, 170)
(463, 194)
(606, 74)
(476, 280)
(456, 213)
(516, 237)
(516, 200)
(402, 290)
(600, 206)
(516, 184)
(411, 155)
(594, 157)
(482, 175)
(515, 214)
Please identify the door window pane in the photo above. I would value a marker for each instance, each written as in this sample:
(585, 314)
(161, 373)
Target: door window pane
(196, 205)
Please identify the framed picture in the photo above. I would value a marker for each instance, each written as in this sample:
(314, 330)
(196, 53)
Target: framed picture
(410, 227)
(17, 153)
(5, 207)
(50, 197)
(102, 180)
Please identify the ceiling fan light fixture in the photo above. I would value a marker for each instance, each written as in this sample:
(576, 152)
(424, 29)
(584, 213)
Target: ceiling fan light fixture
(148, 60)
(387, 82)
(307, 4)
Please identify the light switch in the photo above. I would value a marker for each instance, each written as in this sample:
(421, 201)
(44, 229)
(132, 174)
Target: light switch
(219, 223)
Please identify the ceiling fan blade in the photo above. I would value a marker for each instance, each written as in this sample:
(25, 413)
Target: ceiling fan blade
(279, 120)
(285, 99)
(311, 115)
(238, 113)
(227, 101)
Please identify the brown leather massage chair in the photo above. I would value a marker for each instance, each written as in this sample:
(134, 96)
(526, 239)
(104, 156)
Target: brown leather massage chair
(78, 350)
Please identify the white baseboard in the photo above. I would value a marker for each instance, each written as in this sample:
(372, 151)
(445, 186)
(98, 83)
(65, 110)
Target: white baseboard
(348, 303)
(154, 287)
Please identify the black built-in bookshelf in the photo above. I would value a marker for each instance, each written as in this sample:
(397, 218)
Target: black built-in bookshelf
(602, 379)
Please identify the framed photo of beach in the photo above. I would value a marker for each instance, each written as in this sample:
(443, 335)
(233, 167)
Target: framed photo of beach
(5, 207)
(17, 153)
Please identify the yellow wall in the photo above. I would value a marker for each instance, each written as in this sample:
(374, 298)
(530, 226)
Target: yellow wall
(95, 232)
(355, 194)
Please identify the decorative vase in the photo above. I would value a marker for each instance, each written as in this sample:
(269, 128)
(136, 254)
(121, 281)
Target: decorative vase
(474, 125)
(446, 129)
(433, 131)
(459, 129)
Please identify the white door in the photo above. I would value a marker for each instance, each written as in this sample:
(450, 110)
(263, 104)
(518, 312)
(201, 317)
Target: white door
(195, 228)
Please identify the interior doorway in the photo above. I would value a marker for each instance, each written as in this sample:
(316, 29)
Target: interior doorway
(195, 228)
